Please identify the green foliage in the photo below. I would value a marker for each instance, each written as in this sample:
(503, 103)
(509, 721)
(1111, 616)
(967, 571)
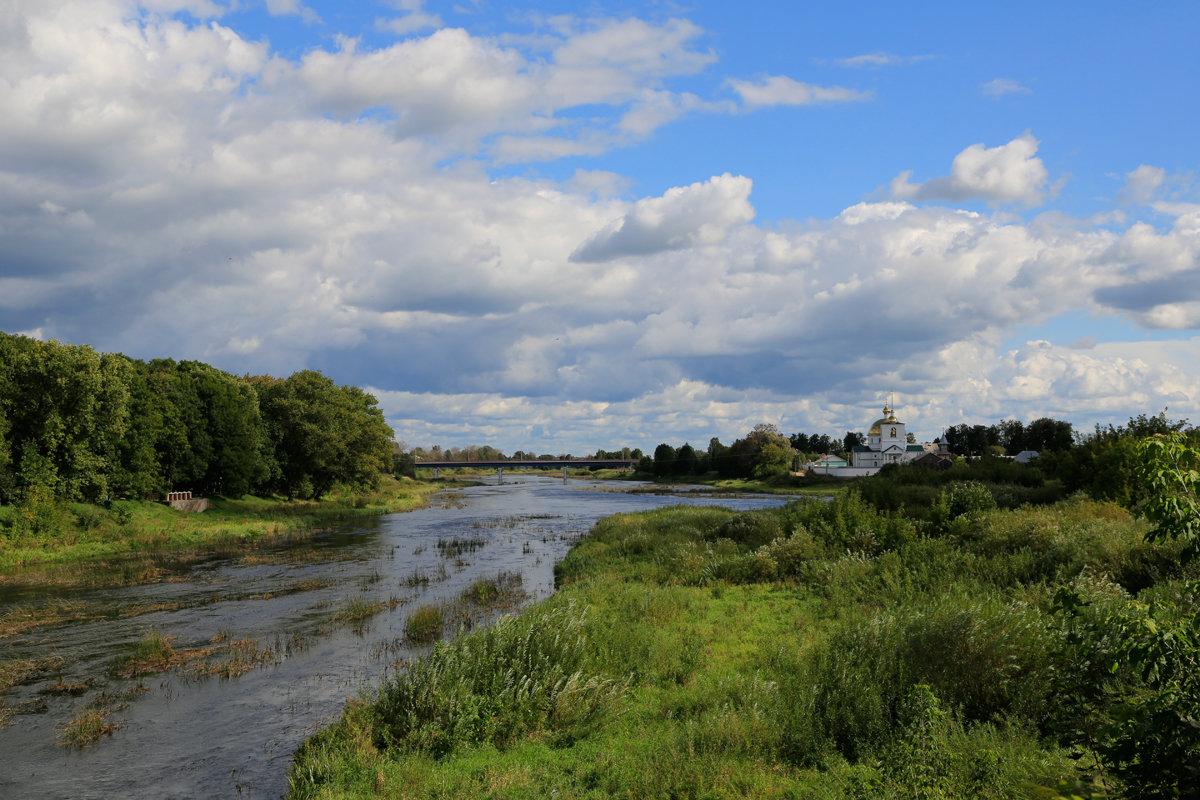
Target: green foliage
(322, 434)
(1170, 470)
(1153, 741)
(1106, 463)
(63, 403)
(962, 499)
(92, 426)
(920, 759)
(988, 659)
(664, 461)
(517, 676)
(915, 489)
(750, 529)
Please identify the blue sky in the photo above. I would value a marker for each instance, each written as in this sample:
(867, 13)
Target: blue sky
(557, 227)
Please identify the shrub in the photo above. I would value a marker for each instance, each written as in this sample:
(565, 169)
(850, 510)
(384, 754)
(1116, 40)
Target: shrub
(88, 517)
(791, 554)
(751, 529)
(756, 567)
(968, 497)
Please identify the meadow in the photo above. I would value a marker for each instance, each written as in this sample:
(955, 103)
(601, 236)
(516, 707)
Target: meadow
(823, 650)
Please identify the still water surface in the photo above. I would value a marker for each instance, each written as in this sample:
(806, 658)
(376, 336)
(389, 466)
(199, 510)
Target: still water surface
(186, 736)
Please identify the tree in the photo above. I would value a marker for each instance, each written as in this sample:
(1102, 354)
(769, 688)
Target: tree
(1049, 434)
(802, 442)
(1169, 469)
(688, 462)
(852, 440)
(66, 404)
(225, 430)
(664, 460)
(1011, 435)
(324, 434)
(720, 459)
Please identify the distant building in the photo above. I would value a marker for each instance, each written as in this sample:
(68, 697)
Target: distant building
(935, 461)
(825, 463)
(887, 443)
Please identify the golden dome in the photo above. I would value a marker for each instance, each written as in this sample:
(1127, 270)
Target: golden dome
(889, 418)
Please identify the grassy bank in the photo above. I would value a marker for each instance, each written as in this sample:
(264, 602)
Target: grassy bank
(822, 650)
(800, 486)
(79, 533)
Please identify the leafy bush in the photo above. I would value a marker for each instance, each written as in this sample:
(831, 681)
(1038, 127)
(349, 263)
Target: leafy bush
(756, 567)
(1148, 735)
(751, 528)
(88, 517)
(968, 497)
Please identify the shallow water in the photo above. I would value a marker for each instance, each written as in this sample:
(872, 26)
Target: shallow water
(189, 736)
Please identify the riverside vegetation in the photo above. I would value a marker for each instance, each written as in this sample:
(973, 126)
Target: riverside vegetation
(823, 649)
(81, 538)
(89, 440)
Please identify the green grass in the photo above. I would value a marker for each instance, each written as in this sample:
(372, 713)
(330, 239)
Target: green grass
(86, 728)
(133, 528)
(425, 624)
(153, 653)
(824, 650)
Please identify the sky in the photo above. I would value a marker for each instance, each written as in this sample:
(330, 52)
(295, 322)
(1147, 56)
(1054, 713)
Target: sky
(558, 227)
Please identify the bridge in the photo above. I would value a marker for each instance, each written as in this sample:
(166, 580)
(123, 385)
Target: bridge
(541, 463)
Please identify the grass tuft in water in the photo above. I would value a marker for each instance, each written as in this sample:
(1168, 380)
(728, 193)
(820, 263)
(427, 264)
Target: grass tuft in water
(425, 624)
(153, 653)
(87, 727)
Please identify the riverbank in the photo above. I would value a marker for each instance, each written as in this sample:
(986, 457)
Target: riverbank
(823, 650)
(131, 529)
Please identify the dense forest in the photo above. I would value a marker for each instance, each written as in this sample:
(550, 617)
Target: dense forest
(79, 425)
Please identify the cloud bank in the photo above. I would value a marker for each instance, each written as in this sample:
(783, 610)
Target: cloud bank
(171, 188)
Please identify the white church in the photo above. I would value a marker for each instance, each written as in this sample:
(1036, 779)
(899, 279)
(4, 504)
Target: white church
(887, 443)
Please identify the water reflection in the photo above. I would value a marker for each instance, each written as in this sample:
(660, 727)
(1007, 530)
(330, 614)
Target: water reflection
(266, 645)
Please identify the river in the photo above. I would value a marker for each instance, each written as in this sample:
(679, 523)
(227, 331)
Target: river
(287, 615)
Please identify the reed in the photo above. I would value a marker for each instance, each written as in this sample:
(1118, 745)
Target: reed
(425, 623)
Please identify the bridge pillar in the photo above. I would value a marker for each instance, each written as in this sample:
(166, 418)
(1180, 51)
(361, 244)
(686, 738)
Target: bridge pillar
(435, 472)
(500, 473)
(564, 473)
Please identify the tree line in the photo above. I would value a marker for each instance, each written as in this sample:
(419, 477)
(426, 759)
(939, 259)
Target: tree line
(85, 426)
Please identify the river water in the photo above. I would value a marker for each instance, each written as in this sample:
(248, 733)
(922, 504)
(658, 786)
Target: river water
(187, 734)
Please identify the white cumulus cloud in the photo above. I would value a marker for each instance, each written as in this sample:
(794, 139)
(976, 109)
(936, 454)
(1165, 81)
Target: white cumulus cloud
(1009, 173)
(689, 216)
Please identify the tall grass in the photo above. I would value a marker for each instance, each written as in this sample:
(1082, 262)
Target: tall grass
(425, 623)
(822, 649)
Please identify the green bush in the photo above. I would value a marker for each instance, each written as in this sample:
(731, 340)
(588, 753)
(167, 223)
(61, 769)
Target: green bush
(968, 497)
(794, 552)
(756, 567)
(751, 529)
(88, 517)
